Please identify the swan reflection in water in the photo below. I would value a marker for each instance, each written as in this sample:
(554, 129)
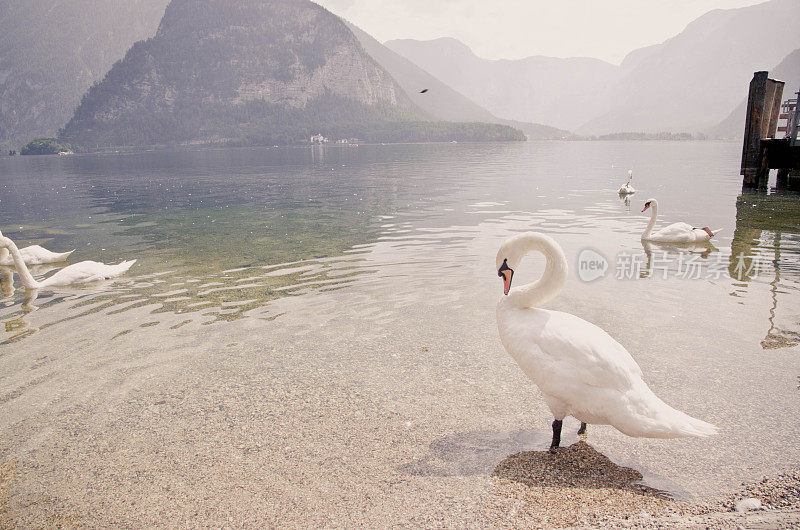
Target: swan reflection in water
(704, 249)
(19, 326)
(626, 200)
(654, 251)
(7, 284)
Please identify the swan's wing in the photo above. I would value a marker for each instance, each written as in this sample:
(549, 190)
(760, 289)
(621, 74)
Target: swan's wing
(676, 228)
(674, 232)
(578, 349)
(33, 252)
(35, 255)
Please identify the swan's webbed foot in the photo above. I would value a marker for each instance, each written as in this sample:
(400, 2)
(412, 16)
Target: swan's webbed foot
(582, 430)
(556, 435)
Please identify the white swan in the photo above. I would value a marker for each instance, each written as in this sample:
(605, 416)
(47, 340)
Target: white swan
(676, 232)
(628, 189)
(580, 369)
(34, 255)
(83, 272)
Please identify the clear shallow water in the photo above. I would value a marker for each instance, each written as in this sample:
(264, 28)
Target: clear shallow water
(352, 251)
(222, 233)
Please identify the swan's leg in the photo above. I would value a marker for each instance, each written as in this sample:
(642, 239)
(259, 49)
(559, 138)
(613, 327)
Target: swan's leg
(556, 435)
(582, 430)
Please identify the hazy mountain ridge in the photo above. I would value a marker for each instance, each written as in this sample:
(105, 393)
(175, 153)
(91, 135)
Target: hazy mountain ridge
(556, 92)
(328, 74)
(52, 51)
(441, 102)
(693, 80)
(688, 83)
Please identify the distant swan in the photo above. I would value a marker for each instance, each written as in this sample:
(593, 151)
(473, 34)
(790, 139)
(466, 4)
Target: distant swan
(580, 369)
(79, 273)
(628, 189)
(676, 232)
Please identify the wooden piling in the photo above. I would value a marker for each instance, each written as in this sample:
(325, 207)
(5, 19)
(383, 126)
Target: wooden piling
(763, 110)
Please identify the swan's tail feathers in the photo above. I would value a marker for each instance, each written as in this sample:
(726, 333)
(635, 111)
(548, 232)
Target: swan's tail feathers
(650, 417)
(668, 423)
(62, 256)
(708, 231)
(121, 268)
(125, 265)
(692, 427)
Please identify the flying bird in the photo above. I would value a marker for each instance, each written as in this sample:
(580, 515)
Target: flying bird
(423, 90)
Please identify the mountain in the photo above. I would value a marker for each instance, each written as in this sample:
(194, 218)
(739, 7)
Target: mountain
(52, 51)
(787, 70)
(252, 72)
(440, 101)
(558, 92)
(693, 80)
(687, 83)
(273, 70)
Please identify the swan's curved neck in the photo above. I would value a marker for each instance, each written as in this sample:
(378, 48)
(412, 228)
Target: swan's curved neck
(653, 216)
(553, 279)
(24, 274)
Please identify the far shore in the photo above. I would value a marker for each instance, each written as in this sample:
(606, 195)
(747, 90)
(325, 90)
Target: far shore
(196, 146)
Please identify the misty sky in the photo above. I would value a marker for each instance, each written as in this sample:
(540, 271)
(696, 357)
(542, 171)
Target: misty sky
(512, 29)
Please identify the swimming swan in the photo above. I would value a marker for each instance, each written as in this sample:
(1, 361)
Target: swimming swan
(628, 189)
(676, 232)
(83, 272)
(580, 369)
(34, 255)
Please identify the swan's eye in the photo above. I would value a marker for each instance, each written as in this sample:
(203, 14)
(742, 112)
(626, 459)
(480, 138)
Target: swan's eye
(503, 268)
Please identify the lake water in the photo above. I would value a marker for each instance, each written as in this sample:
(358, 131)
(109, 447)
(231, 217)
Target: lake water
(309, 335)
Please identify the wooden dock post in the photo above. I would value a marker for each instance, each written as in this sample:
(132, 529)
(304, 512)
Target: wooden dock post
(790, 111)
(763, 110)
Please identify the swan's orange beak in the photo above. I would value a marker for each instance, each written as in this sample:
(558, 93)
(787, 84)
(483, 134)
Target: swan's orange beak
(646, 206)
(507, 273)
